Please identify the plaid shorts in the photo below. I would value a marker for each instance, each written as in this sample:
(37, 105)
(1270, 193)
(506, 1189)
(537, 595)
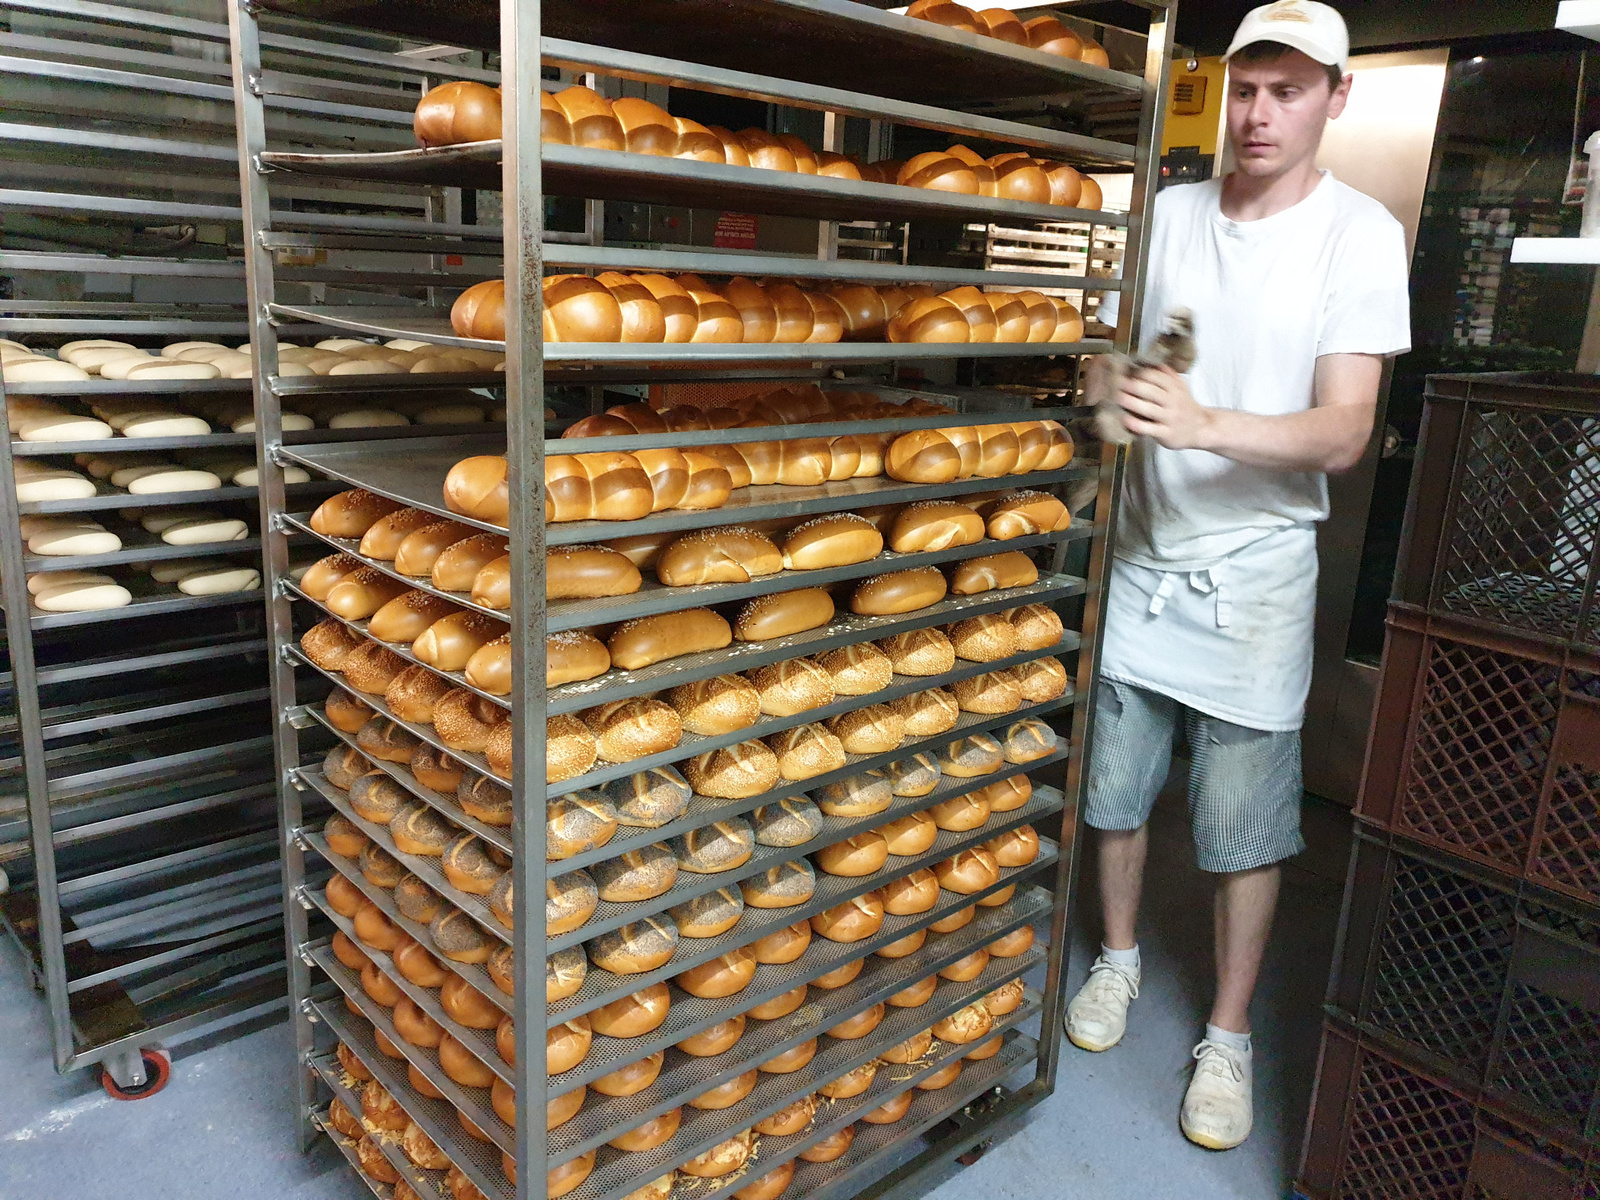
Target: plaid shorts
(1245, 785)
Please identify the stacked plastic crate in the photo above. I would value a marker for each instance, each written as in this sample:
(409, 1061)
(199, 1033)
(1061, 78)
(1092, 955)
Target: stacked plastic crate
(1461, 1054)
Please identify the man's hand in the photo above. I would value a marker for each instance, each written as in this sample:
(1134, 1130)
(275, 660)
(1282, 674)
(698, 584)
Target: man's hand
(1160, 407)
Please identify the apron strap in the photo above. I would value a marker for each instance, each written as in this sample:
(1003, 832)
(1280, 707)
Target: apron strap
(1208, 581)
(1169, 583)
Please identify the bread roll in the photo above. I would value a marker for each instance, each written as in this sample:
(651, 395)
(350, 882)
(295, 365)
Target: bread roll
(852, 1083)
(603, 486)
(1018, 941)
(806, 751)
(640, 874)
(782, 614)
(966, 969)
(417, 902)
(920, 652)
(370, 668)
(709, 915)
(484, 800)
(871, 730)
(717, 705)
(783, 945)
(345, 712)
(635, 948)
(361, 593)
(384, 740)
(967, 757)
(435, 769)
(1029, 740)
(457, 565)
(634, 1015)
(721, 846)
(383, 537)
(789, 1120)
(726, 1095)
(463, 720)
(420, 830)
(343, 766)
(722, 976)
(794, 686)
(938, 172)
(855, 919)
(350, 514)
(628, 729)
(969, 871)
(646, 640)
(836, 540)
(632, 1078)
(320, 577)
(928, 713)
(857, 670)
(1015, 848)
(714, 1039)
(984, 638)
(456, 112)
(898, 592)
(570, 749)
(734, 772)
(1037, 626)
(782, 886)
(650, 1134)
(730, 554)
(992, 692)
(413, 693)
(965, 1025)
(788, 823)
(570, 899)
(935, 525)
(793, 1059)
(420, 549)
(648, 799)
(856, 856)
(564, 973)
(914, 776)
(577, 823)
(1012, 569)
(780, 1005)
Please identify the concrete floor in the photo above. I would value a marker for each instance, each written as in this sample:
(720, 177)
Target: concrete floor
(222, 1126)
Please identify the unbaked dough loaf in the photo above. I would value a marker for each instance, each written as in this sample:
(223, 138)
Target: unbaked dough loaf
(74, 539)
(217, 580)
(83, 597)
(200, 530)
(174, 480)
(62, 427)
(52, 485)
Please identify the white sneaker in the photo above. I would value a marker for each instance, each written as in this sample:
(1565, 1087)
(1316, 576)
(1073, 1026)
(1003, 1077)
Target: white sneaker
(1098, 1015)
(1217, 1107)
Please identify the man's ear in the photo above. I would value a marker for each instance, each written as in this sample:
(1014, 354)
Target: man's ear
(1340, 98)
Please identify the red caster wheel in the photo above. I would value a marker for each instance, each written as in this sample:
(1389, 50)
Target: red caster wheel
(158, 1069)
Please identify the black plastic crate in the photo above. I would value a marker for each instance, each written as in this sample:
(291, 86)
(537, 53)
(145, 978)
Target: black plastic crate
(1486, 745)
(1504, 520)
(1490, 984)
(1383, 1128)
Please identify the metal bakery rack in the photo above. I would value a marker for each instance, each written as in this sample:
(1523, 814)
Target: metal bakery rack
(138, 813)
(371, 1041)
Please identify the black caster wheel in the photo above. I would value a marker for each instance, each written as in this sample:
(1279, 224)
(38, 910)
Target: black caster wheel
(158, 1068)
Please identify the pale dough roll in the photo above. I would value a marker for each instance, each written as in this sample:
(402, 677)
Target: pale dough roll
(41, 581)
(173, 369)
(82, 597)
(74, 540)
(173, 481)
(163, 424)
(61, 428)
(201, 530)
(53, 485)
(220, 580)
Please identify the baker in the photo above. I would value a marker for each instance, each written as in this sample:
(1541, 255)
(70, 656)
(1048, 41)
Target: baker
(1298, 287)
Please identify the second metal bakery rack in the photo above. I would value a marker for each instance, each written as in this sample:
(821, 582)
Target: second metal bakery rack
(138, 802)
(827, 56)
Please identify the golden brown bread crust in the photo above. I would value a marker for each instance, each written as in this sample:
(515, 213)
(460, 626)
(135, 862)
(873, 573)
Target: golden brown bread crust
(645, 640)
(1041, 680)
(717, 705)
(329, 644)
(1008, 570)
(370, 668)
(871, 730)
(857, 670)
(898, 592)
(783, 613)
(793, 686)
(734, 772)
(640, 874)
(449, 643)
(570, 656)
(730, 554)
(633, 1015)
(919, 652)
(628, 729)
(350, 514)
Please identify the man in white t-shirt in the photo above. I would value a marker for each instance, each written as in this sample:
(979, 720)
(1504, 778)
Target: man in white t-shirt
(1298, 288)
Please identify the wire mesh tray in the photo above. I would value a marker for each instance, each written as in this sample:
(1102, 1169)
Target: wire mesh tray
(332, 1074)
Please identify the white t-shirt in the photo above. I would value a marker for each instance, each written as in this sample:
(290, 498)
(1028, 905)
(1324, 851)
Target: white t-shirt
(1328, 276)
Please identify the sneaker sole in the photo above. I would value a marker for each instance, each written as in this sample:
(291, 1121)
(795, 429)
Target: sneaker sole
(1095, 1047)
(1211, 1143)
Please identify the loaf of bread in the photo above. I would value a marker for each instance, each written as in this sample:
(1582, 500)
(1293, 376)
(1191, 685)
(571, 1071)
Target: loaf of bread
(782, 614)
(857, 670)
(794, 686)
(806, 751)
(602, 486)
(782, 886)
(483, 799)
(721, 846)
(648, 799)
(1008, 570)
(714, 1039)
(570, 749)
(571, 655)
(898, 592)
(404, 618)
(967, 872)
(792, 821)
(639, 874)
(1037, 626)
(633, 1015)
(984, 638)
(350, 514)
(910, 834)
(412, 694)
(709, 915)
(628, 729)
(576, 823)
(874, 729)
(919, 652)
(934, 525)
(914, 776)
(635, 948)
(734, 772)
(321, 576)
(967, 757)
(859, 855)
(836, 540)
(362, 593)
(645, 640)
(457, 112)
(456, 567)
(717, 705)
(1029, 740)
(587, 572)
(989, 693)
(928, 713)
(730, 554)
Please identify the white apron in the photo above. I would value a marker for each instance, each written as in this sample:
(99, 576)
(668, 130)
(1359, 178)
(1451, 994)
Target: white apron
(1233, 640)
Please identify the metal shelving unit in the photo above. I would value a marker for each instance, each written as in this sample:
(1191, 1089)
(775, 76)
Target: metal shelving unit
(859, 62)
(138, 812)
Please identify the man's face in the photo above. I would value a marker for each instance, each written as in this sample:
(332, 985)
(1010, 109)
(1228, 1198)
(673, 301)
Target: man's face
(1277, 111)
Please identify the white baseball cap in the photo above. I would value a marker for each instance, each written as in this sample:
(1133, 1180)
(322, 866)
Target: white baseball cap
(1316, 30)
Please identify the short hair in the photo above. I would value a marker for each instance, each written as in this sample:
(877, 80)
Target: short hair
(1257, 53)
